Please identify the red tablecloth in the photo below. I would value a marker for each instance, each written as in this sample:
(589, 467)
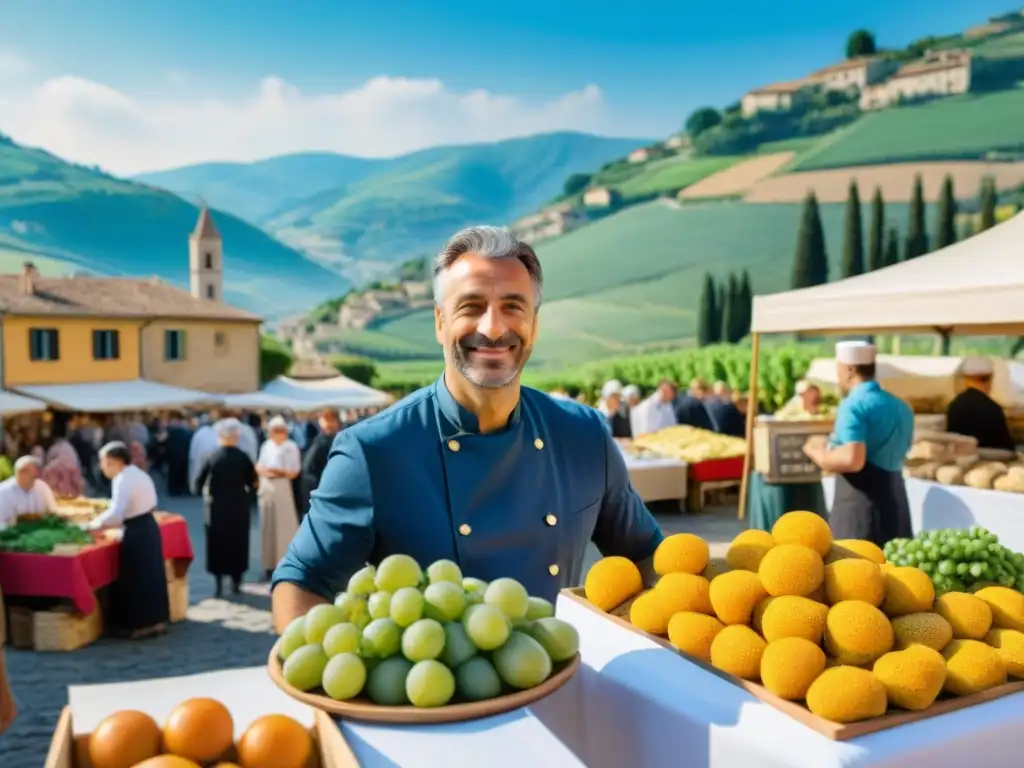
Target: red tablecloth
(76, 577)
(713, 470)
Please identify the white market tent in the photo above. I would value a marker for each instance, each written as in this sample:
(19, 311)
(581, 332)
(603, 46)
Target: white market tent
(116, 396)
(975, 286)
(12, 404)
(335, 392)
(262, 401)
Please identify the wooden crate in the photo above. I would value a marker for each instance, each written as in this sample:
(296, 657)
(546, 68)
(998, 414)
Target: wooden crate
(331, 751)
(778, 450)
(828, 728)
(56, 630)
(177, 595)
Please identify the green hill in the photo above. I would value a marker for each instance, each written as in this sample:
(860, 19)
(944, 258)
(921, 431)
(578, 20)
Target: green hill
(69, 218)
(631, 282)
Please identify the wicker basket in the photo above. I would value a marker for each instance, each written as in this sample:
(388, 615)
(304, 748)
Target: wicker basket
(57, 630)
(19, 627)
(177, 594)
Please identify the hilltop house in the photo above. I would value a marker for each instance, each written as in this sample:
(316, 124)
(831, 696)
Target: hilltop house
(778, 97)
(81, 329)
(550, 222)
(645, 154)
(677, 141)
(359, 310)
(601, 197)
(858, 72)
(938, 73)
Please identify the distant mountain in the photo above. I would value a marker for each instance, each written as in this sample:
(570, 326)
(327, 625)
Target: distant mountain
(364, 216)
(69, 218)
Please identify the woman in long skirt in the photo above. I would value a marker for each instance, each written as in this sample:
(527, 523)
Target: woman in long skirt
(139, 604)
(226, 482)
(280, 462)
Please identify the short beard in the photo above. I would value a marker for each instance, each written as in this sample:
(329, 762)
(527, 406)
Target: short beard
(462, 349)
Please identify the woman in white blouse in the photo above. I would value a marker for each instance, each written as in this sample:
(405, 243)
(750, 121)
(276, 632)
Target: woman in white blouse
(279, 463)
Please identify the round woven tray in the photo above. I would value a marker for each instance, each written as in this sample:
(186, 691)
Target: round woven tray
(366, 711)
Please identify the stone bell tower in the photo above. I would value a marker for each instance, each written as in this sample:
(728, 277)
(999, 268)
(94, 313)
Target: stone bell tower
(206, 259)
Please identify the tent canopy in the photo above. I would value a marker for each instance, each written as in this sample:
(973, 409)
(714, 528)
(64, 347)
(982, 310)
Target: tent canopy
(115, 396)
(335, 392)
(12, 404)
(974, 286)
(264, 401)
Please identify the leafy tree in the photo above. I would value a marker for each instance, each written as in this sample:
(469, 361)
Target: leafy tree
(708, 318)
(988, 202)
(917, 235)
(359, 369)
(853, 241)
(876, 233)
(892, 247)
(810, 265)
(747, 295)
(701, 120)
(946, 228)
(576, 183)
(275, 358)
(861, 42)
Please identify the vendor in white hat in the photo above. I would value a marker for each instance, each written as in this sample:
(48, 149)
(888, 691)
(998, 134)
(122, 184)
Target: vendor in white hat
(611, 408)
(974, 413)
(872, 434)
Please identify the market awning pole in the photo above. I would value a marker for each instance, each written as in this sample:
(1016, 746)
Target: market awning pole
(755, 346)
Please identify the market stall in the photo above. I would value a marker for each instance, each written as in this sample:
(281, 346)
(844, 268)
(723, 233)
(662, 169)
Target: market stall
(336, 392)
(12, 404)
(117, 396)
(654, 477)
(971, 287)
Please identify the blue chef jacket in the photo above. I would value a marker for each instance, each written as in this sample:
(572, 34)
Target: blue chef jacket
(523, 502)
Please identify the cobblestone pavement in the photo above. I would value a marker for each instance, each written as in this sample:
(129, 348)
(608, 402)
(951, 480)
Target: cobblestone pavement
(218, 634)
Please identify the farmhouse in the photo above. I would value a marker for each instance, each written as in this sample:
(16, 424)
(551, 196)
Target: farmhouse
(677, 142)
(644, 154)
(600, 197)
(550, 222)
(857, 72)
(938, 73)
(778, 97)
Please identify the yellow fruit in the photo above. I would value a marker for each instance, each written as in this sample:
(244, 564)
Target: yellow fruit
(847, 694)
(737, 650)
(716, 567)
(968, 615)
(789, 569)
(854, 579)
(747, 549)
(611, 581)
(971, 667)
(790, 665)
(650, 613)
(681, 553)
(758, 613)
(844, 548)
(857, 633)
(927, 629)
(805, 529)
(792, 616)
(684, 592)
(819, 595)
(907, 590)
(734, 595)
(692, 633)
(1007, 607)
(1010, 645)
(913, 677)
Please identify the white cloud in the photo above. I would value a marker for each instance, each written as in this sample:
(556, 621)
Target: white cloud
(89, 122)
(11, 64)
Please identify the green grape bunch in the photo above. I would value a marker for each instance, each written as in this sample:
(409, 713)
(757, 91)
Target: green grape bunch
(959, 559)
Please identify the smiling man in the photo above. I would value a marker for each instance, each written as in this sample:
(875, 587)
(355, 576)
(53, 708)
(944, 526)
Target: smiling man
(502, 479)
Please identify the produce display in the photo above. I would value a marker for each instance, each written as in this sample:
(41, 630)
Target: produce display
(198, 732)
(81, 509)
(827, 623)
(956, 460)
(691, 445)
(959, 559)
(38, 536)
(400, 635)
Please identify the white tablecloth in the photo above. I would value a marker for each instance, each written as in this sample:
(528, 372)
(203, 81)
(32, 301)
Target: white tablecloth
(657, 479)
(647, 707)
(933, 505)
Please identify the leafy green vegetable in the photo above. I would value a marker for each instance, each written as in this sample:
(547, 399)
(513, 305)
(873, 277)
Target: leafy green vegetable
(39, 536)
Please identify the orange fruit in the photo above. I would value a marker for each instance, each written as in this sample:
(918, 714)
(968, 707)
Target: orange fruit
(167, 761)
(199, 729)
(275, 741)
(123, 740)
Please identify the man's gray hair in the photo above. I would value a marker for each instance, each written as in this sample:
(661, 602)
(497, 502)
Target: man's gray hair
(228, 429)
(491, 243)
(27, 461)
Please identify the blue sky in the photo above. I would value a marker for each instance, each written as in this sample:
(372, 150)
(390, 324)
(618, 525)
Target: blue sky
(652, 61)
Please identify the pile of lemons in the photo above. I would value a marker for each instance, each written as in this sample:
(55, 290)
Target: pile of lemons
(825, 622)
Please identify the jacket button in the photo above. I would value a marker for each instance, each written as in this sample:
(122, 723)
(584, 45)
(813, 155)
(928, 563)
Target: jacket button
(553, 570)
(538, 444)
(453, 446)
(465, 530)
(550, 519)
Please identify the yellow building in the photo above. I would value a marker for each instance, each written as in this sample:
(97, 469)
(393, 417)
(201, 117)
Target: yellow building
(77, 330)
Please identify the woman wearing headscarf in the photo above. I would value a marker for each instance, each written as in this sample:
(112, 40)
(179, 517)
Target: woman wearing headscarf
(280, 462)
(226, 481)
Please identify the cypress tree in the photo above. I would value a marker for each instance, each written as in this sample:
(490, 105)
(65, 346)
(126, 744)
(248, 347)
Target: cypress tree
(810, 264)
(733, 314)
(892, 247)
(707, 316)
(876, 233)
(717, 320)
(967, 227)
(946, 228)
(917, 236)
(853, 242)
(988, 204)
(747, 296)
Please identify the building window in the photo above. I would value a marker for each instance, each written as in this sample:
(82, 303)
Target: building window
(106, 345)
(209, 260)
(44, 344)
(219, 339)
(174, 345)
(211, 292)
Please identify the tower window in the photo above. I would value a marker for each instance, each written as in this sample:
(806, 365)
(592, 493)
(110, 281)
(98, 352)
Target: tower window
(211, 292)
(209, 260)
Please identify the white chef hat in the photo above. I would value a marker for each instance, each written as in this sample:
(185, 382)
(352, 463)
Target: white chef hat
(277, 422)
(630, 390)
(613, 387)
(977, 366)
(802, 386)
(855, 353)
